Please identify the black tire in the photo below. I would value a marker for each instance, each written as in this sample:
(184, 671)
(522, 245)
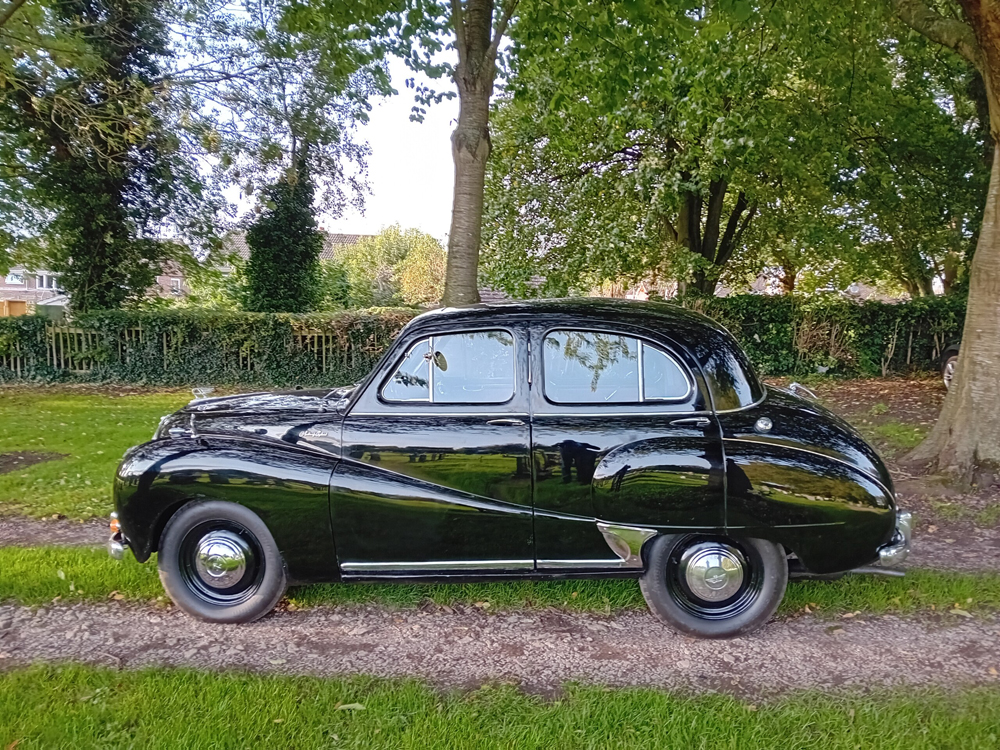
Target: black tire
(747, 605)
(261, 582)
(948, 363)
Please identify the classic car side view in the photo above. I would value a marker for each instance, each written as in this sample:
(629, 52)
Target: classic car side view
(551, 439)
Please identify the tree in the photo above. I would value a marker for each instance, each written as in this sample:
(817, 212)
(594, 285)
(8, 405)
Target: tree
(396, 266)
(965, 441)
(85, 144)
(413, 29)
(760, 136)
(283, 272)
(256, 92)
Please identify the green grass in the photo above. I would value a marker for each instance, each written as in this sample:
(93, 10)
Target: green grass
(93, 430)
(48, 707)
(899, 435)
(40, 575)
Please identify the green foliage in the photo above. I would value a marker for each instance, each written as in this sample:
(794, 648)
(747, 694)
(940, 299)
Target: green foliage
(86, 143)
(781, 334)
(793, 335)
(396, 266)
(334, 286)
(797, 139)
(283, 271)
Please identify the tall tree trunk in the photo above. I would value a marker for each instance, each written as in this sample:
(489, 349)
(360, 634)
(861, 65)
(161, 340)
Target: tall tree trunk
(470, 148)
(477, 43)
(965, 440)
(966, 437)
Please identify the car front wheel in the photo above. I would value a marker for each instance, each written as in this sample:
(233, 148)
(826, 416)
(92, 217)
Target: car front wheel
(948, 369)
(714, 586)
(219, 563)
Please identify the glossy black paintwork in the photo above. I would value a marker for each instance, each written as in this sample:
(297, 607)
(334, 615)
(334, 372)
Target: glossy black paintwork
(284, 485)
(343, 477)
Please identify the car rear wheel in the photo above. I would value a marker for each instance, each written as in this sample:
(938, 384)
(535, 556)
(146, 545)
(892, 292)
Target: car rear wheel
(218, 562)
(714, 586)
(948, 369)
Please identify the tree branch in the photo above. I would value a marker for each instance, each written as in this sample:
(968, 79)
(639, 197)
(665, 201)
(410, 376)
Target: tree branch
(505, 15)
(11, 10)
(947, 32)
(458, 19)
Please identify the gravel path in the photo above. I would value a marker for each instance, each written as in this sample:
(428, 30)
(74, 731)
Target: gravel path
(969, 550)
(19, 531)
(541, 651)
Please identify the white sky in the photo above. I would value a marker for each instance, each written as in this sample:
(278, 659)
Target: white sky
(410, 169)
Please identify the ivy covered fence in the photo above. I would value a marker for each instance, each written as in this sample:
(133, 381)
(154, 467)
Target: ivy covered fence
(782, 336)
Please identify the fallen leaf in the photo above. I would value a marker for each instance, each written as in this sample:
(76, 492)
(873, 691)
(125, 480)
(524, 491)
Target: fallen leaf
(60, 575)
(960, 612)
(931, 529)
(13, 744)
(276, 661)
(278, 721)
(351, 707)
(993, 671)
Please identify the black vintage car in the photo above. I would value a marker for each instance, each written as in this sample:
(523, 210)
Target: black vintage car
(545, 440)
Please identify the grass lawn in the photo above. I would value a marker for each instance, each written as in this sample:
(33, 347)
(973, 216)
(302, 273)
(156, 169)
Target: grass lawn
(40, 575)
(93, 431)
(45, 707)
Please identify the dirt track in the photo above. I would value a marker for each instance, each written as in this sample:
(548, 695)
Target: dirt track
(541, 650)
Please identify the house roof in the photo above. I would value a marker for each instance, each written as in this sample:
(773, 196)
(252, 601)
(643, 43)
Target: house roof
(236, 242)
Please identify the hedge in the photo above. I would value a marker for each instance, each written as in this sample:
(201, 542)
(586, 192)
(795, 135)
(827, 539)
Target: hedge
(782, 336)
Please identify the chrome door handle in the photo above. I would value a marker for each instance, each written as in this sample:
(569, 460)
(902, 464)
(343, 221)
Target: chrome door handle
(693, 421)
(506, 422)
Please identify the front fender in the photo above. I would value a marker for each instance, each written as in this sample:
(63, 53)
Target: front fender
(833, 516)
(287, 487)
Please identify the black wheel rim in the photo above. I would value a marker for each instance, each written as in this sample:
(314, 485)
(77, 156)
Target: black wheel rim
(209, 564)
(731, 602)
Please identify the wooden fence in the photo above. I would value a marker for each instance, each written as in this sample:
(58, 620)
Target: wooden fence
(78, 350)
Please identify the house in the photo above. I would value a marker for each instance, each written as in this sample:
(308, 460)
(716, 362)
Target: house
(32, 286)
(41, 287)
(235, 243)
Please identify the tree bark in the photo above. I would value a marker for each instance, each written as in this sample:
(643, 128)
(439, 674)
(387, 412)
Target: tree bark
(470, 148)
(966, 438)
(477, 44)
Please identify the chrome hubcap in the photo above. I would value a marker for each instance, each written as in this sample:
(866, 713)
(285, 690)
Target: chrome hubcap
(712, 571)
(949, 372)
(221, 559)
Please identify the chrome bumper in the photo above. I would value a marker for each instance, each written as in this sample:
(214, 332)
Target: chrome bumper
(117, 543)
(897, 550)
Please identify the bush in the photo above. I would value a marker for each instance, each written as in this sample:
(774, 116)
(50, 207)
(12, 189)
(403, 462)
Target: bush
(792, 335)
(177, 347)
(782, 336)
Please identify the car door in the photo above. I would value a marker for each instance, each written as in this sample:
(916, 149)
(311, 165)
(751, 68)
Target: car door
(622, 436)
(435, 477)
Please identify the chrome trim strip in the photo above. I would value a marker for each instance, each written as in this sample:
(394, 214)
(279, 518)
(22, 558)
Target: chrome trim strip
(775, 444)
(611, 413)
(372, 567)
(626, 542)
(429, 413)
(588, 564)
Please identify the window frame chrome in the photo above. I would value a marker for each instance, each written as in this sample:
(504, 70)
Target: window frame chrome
(641, 340)
(429, 401)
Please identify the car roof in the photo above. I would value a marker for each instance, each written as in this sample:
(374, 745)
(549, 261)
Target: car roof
(600, 308)
(728, 372)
